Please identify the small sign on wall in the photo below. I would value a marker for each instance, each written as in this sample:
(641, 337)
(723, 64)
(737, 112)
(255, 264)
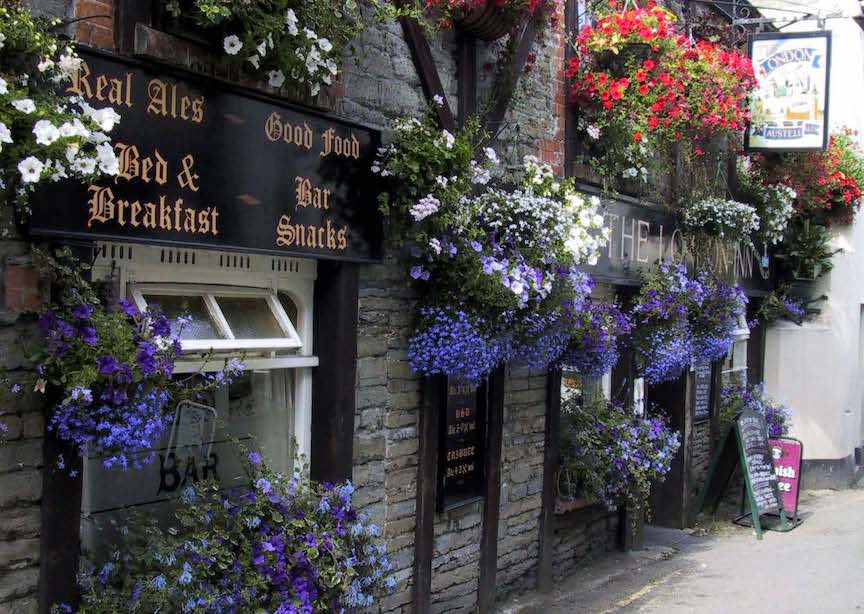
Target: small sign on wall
(461, 451)
(702, 391)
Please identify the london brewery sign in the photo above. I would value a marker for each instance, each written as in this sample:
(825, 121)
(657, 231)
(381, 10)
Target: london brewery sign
(789, 106)
(203, 165)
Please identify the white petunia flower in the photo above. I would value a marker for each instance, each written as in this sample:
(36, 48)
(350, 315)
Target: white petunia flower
(331, 66)
(327, 79)
(316, 87)
(310, 34)
(84, 165)
(438, 100)
(67, 129)
(30, 169)
(276, 78)
(449, 139)
(72, 153)
(25, 105)
(313, 60)
(291, 21)
(441, 180)
(46, 132)
(232, 44)
(69, 64)
(4, 87)
(107, 118)
(270, 40)
(325, 45)
(45, 64)
(255, 61)
(491, 155)
(262, 48)
(5, 134)
(108, 163)
(2, 39)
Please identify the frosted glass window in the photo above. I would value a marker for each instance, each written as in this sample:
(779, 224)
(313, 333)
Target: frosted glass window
(174, 306)
(249, 317)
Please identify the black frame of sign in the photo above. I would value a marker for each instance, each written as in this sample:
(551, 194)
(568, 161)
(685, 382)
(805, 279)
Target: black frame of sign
(458, 493)
(826, 34)
(209, 83)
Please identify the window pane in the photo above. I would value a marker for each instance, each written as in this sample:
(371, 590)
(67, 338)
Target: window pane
(200, 326)
(250, 318)
(290, 307)
(257, 408)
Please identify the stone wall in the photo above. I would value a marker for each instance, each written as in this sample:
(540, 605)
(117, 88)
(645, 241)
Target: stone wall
(581, 536)
(701, 458)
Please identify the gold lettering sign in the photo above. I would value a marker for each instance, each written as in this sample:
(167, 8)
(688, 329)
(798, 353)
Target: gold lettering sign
(345, 147)
(167, 100)
(326, 236)
(105, 207)
(101, 87)
(307, 195)
(277, 129)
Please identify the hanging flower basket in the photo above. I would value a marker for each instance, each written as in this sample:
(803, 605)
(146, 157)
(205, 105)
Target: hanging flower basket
(487, 22)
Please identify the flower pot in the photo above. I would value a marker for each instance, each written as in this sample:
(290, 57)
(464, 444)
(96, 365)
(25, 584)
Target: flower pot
(487, 22)
(804, 288)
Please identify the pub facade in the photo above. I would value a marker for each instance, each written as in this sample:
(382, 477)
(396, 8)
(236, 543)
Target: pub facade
(252, 213)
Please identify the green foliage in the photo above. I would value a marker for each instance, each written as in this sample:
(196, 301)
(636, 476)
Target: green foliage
(44, 134)
(806, 250)
(278, 543)
(301, 42)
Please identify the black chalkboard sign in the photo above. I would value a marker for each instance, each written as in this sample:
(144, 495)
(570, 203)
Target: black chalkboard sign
(203, 164)
(756, 460)
(462, 445)
(749, 434)
(702, 390)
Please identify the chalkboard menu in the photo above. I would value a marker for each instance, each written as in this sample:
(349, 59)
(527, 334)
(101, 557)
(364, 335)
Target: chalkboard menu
(461, 447)
(702, 390)
(757, 461)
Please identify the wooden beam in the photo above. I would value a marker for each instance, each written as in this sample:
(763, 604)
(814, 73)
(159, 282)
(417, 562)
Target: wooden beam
(467, 81)
(61, 524)
(433, 395)
(509, 78)
(424, 64)
(489, 537)
(127, 15)
(335, 344)
(550, 467)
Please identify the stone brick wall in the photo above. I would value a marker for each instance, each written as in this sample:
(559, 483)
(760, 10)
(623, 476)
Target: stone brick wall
(581, 536)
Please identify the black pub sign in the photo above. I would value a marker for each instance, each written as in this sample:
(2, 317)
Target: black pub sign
(206, 165)
(461, 451)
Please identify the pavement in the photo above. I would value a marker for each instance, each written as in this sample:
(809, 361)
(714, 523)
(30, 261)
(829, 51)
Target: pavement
(816, 568)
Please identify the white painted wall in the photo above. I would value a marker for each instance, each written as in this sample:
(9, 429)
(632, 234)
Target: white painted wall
(817, 369)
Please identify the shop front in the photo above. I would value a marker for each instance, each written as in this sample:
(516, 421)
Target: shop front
(225, 207)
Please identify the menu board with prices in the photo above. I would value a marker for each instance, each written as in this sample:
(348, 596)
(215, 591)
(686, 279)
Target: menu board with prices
(461, 445)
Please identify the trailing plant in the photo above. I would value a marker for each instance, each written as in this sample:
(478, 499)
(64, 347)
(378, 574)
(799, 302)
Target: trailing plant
(714, 322)
(612, 455)
(642, 84)
(778, 305)
(595, 338)
(299, 42)
(806, 251)
(729, 220)
(737, 396)
(501, 266)
(282, 544)
(114, 369)
(661, 336)
(774, 202)
(827, 183)
(45, 135)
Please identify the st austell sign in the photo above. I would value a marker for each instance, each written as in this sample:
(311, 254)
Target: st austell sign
(206, 165)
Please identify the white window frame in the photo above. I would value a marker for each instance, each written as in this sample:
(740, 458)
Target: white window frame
(742, 335)
(211, 295)
(141, 267)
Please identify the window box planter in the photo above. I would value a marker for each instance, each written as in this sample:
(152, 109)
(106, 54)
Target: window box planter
(487, 22)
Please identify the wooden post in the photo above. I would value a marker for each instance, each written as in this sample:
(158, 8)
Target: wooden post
(433, 394)
(467, 83)
(546, 549)
(61, 524)
(335, 343)
(489, 537)
(128, 14)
